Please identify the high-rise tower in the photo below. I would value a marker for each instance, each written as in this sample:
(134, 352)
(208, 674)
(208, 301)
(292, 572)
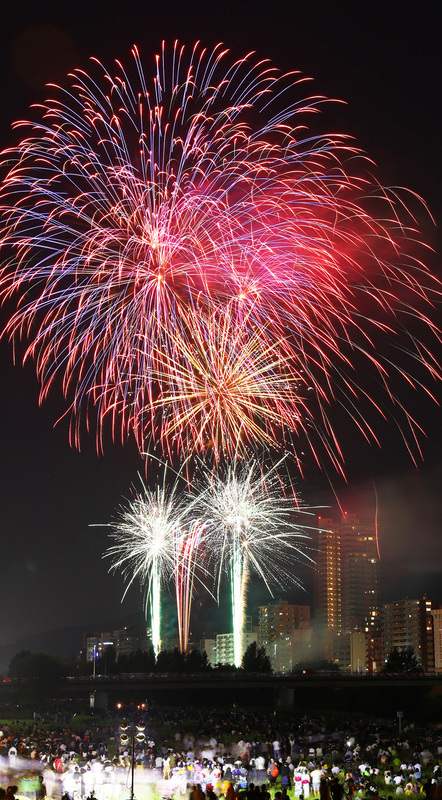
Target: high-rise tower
(346, 578)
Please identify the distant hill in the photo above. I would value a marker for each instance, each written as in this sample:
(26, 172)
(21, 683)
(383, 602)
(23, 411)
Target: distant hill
(62, 642)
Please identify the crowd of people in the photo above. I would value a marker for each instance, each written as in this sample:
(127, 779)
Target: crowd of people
(231, 754)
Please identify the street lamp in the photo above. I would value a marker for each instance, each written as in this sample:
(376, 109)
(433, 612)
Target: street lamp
(136, 734)
(96, 655)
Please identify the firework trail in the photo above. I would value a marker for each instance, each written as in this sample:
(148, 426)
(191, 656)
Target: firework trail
(156, 540)
(140, 218)
(187, 554)
(251, 525)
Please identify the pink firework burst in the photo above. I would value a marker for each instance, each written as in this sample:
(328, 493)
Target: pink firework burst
(196, 265)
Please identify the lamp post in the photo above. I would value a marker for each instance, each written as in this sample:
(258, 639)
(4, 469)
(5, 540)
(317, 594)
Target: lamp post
(136, 734)
(95, 655)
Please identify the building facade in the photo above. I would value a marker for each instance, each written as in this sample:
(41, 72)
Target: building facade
(223, 652)
(328, 594)
(276, 620)
(350, 651)
(96, 643)
(346, 583)
(436, 613)
(130, 639)
(125, 641)
(208, 646)
(409, 623)
(290, 649)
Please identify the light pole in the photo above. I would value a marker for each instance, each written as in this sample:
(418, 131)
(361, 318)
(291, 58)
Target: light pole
(95, 661)
(136, 735)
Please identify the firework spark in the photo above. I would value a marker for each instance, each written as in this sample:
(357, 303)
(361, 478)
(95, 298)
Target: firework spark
(141, 220)
(231, 385)
(251, 524)
(187, 554)
(156, 540)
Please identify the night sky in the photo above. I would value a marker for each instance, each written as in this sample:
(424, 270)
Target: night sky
(387, 66)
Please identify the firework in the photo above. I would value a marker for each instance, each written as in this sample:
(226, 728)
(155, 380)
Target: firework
(232, 386)
(251, 524)
(139, 216)
(187, 553)
(156, 540)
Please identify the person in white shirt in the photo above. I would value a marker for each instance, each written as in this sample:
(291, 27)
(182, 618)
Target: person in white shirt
(260, 763)
(316, 776)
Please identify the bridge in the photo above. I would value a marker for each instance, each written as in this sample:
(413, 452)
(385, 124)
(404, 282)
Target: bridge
(360, 693)
(415, 695)
(261, 681)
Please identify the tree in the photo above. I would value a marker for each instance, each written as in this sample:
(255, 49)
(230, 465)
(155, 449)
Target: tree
(143, 660)
(106, 662)
(38, 673)
(19, 665)
(255, 659)
(197, 661)
(170, 661)
(402, 661)
(139, 661)
(36, 666)
(220, 667)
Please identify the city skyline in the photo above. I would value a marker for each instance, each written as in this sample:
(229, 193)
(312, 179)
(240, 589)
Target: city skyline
(53, 568)
(291, 636)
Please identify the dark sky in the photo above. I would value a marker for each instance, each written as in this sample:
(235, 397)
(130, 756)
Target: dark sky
(386, 64)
